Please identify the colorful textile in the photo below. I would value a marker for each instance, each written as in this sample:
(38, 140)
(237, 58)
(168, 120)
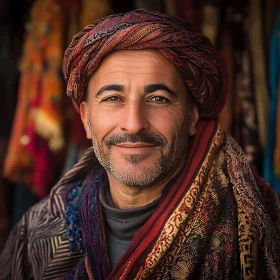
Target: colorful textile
(275, 98)
(211, 21)
(200, 65)
(277, 138)
(216, 220)
(38, 125)
(19, 162)
(239, 116)
(249, 121)
(274, 69)
(259, 68)
(45, 57)
(225, 118)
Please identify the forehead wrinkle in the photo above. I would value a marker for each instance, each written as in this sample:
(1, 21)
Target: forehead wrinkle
(118, 63)
(139, 56)
(142, 62)
(118, 69)
(144, 52)
(145, 71)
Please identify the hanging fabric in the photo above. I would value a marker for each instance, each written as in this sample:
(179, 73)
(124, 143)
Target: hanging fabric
(38, 126)
(274, 70)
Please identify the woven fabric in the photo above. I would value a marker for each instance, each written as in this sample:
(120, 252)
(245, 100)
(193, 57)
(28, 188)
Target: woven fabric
(216, 220)
(193, 54)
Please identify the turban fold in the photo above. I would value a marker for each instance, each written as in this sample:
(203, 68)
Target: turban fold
(199, 63)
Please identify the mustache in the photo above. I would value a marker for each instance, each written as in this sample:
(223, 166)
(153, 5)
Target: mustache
(148, 138)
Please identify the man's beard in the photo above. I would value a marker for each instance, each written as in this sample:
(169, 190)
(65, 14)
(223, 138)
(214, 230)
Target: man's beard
(129, 175)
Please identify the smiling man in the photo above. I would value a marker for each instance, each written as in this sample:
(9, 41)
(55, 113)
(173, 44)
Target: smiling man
(164, 192)
(142, 140)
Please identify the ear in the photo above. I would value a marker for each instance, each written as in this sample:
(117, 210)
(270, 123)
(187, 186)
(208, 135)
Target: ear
(193, 119)
(85, 118)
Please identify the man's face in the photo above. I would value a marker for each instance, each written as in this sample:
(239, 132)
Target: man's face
(138, 117)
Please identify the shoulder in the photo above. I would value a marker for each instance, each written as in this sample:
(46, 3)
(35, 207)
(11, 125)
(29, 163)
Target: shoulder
(38, 240)
(47, 239)
(47, 217)
(50, 208)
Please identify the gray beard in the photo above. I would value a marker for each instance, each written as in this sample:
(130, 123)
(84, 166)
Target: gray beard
(129, 175)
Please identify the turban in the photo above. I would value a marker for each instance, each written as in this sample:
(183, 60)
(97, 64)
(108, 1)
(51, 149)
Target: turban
(193, 54)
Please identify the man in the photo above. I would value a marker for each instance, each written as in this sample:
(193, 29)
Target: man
(171, 195)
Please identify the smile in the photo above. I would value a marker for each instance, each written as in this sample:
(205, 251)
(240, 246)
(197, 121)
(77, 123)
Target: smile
(134, 145)
(134, 148)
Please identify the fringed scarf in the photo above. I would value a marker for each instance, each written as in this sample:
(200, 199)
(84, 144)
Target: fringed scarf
(216, 220)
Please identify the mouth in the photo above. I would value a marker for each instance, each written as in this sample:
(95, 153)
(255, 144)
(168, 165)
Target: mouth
(135, 145)
(134, 148)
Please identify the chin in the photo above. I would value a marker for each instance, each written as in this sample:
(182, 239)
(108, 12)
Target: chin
(139, 175)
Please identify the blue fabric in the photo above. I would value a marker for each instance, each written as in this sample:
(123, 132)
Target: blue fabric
(274, 70)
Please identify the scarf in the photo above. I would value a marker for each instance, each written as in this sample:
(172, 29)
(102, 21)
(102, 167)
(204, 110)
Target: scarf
(216, 220)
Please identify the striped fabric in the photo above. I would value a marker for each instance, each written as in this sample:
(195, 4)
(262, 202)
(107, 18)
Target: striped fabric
(39, 239)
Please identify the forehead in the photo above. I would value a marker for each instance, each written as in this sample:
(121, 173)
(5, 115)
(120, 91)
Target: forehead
(148, 61)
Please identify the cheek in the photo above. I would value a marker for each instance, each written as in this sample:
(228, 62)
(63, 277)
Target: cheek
(167, 122)
(103, 123)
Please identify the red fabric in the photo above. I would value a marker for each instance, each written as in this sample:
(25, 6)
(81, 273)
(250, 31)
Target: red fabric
(146, 237)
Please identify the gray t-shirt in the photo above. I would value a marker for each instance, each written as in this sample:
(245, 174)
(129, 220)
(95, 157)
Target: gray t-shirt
(122, 224)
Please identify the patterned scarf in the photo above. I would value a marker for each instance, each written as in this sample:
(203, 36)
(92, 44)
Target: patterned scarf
(216, 220)
(201, 66)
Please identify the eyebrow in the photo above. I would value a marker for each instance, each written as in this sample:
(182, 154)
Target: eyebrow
(119, 88)
(154, 87)
(148, 89)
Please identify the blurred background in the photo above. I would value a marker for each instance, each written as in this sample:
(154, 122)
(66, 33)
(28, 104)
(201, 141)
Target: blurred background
(41, 136)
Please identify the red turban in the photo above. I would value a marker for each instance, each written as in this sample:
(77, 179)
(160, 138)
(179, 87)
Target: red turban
(200, 64)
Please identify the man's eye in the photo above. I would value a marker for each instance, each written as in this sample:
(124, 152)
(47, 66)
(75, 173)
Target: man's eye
(111, 99)
(159, 100)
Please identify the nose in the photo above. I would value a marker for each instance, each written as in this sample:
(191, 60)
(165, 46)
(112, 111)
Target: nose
(134, 118)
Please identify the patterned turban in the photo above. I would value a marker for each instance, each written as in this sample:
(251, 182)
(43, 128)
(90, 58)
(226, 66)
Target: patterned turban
(201, 66)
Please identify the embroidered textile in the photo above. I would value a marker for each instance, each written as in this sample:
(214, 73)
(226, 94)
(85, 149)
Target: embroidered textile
(216, 220)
